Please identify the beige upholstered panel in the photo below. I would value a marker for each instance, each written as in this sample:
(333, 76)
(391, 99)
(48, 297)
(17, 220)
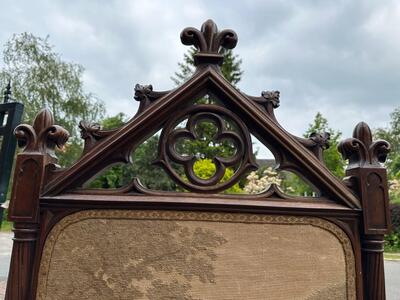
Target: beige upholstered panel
(114, 254)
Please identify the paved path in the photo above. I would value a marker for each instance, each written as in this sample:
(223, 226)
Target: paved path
(392, 269)
(392, 278)
(5, 251)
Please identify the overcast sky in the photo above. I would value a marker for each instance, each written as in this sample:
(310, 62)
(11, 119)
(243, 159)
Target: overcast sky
(341, 58)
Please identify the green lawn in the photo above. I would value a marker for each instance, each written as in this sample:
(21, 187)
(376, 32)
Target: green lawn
(395, 200)
(6, 226)
(392, 256)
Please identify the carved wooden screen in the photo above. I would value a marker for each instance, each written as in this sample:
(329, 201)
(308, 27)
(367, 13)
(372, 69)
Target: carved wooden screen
(196, 242)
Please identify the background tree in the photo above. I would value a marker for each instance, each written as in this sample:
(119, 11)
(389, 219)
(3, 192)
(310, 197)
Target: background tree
(142, 167)
(392, 135)
(206, 146)
(41, 78)
(230, 67)
(332, 158)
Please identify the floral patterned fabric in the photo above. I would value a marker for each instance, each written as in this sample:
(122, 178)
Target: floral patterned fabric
(115, 254)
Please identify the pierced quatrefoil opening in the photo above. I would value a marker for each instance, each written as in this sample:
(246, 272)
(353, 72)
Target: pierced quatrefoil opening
(206, 141)
(188, 145)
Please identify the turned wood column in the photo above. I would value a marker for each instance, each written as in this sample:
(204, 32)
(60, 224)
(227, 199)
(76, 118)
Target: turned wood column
(24, 210)
(39, 142)
(369, 180)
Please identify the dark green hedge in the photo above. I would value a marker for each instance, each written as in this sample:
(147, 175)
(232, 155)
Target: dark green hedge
(392, 240)
(395, 214)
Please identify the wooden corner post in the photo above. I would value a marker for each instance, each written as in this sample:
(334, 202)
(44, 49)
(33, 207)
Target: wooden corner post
(368, 178)
(39, 142)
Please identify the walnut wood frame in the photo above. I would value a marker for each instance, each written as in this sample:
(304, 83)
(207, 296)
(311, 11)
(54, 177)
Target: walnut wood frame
(43, 194)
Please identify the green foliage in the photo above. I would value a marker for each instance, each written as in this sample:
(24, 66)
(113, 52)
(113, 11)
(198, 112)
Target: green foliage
(293, 184)
(114, 176)
(205, 168)
(74, 148)
(186, 68)
(151, 176)
(395, 216)
(230, 67)
(392, 240)
(114, 122)
(332, 157)
(70, 153)
(5, 225)
(206, 145)
(394, 190)
(392, 135)
(142, 166)
(41, 78)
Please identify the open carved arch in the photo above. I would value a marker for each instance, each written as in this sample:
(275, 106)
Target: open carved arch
(355, 209)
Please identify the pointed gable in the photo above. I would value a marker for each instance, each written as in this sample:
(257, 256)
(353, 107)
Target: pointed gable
(252, 115)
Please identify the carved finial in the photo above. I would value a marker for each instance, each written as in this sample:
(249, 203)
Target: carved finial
(146, 96)
(208, 42)
(321, 140)
(43, 120)
(43, 136)
(272, 96)
(142, 92)
(89, 130)
(93, 133)
(7, 92)
(361, 150)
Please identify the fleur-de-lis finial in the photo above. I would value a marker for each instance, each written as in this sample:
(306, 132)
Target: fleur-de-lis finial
(361, 150)
(208, 42)
(43, 136)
